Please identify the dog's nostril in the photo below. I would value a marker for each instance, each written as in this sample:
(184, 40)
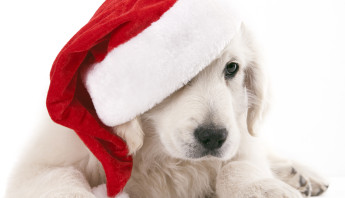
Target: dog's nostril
(210, 137)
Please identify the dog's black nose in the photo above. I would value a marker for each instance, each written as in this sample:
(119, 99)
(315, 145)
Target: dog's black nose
(211, 137)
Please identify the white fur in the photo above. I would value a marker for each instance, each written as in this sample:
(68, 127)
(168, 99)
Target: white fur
(168, 53)
(59, 165)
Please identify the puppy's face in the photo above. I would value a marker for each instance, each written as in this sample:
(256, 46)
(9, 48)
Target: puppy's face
(207, 117)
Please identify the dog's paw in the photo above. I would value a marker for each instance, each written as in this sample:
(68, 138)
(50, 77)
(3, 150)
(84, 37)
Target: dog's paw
(245, 180)
(289, 175)
(301, 178)
(318, 184)
(265, 188)
(270, 188)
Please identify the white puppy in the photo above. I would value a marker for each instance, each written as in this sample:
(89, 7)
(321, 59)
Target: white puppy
(199, 142)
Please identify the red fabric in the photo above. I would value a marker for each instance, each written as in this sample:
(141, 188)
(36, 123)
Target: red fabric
(68, 102)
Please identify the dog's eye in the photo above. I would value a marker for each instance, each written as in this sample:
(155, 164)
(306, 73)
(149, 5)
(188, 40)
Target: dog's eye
(231, 69)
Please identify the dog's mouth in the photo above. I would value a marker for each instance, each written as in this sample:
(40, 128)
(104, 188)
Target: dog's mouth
(198, 152)
(206, 154)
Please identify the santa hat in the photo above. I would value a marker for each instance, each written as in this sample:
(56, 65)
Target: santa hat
(130, 56)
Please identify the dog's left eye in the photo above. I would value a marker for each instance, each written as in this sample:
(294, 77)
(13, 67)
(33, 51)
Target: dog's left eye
(231, 69)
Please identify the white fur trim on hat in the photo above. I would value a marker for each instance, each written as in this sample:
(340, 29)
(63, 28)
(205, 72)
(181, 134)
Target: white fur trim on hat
(140, 73)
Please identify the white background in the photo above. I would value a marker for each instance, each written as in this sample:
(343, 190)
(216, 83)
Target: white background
(302, 42)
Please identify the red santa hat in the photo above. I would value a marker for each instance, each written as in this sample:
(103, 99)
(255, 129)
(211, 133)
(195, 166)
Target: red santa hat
(130, 56)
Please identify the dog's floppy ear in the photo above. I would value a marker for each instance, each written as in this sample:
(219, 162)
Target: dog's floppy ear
(256, 85)
(132, 133)
(257, 103)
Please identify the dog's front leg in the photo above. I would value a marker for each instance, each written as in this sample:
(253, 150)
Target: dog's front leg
(242, 179)
(55, 165)
(50, 182)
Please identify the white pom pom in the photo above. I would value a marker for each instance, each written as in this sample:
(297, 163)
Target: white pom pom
(101, 192)
(122, 195)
